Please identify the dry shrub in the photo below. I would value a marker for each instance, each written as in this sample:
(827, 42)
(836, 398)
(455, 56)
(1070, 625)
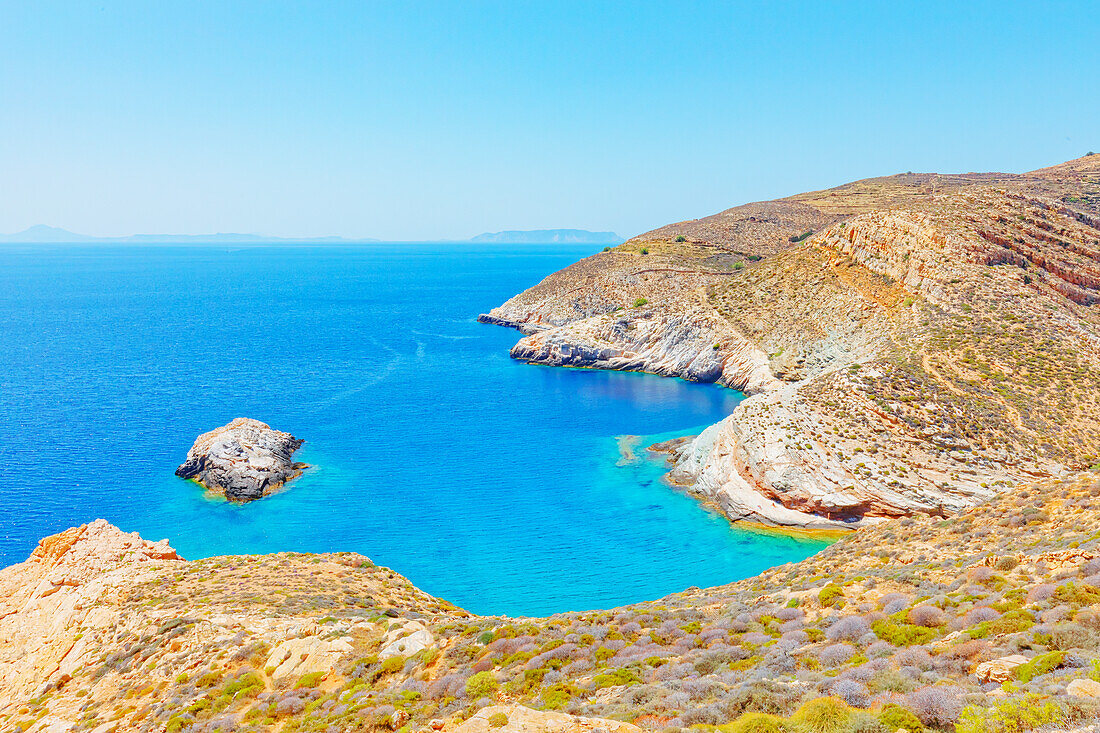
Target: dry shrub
(927, 616)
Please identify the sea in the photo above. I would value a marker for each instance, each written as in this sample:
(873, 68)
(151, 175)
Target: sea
(504, 487)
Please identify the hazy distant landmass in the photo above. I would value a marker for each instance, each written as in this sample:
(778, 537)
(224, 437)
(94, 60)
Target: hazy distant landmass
(47, 234)
(542, 236)
(42, 233)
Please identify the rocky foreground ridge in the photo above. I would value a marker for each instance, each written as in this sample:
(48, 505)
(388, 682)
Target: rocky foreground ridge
(987, 622)
(243, 461)
(912, 344)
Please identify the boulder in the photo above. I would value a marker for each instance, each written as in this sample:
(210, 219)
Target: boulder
(406, 640)
(242, 461)
(1084, 688)
(293, 658)
(1000, 670)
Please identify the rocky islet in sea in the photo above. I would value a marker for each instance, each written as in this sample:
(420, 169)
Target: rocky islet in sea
(243, 461)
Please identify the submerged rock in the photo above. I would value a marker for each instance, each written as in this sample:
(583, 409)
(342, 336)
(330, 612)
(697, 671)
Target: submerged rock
(243, 461)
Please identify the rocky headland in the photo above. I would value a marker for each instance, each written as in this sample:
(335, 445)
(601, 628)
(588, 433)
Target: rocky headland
(985, 622)
(911, 344)
(242, 461)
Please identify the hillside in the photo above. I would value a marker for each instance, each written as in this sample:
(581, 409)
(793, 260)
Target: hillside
(989, 620)
(913, 343)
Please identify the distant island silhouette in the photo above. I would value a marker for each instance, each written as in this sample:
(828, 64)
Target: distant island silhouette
(44, 234)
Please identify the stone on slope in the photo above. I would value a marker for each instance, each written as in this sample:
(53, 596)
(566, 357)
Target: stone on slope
(1084, 688)
(1000, 670)
(292, 658)
(406, 640)
(243, 461)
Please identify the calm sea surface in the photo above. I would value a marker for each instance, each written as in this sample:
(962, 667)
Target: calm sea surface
(497, 485)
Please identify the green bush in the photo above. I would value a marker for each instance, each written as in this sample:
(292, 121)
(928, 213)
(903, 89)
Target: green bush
(756, 723)
(314, 678)
(1015, 715)
(823, 715)
(895, 717)
(681, 238)
(393, 664)
(209, 679)
(498, 720)
(1077, 595)
(247, 685)
(640, 302)
(556, 697)
(1011, 623)
(1039, 666)
(617, 677)
(900, 634)
(481, 685)
(831, 595)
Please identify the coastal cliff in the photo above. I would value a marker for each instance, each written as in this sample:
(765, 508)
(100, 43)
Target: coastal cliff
(911, 343)
(921, 623)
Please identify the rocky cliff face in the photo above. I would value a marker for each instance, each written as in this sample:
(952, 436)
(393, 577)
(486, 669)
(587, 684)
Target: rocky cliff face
(60, 588)
(242, 461)
(914, 342)
(101, 630)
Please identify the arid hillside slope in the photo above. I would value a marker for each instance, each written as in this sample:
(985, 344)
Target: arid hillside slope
(989, 621)
(913, 342)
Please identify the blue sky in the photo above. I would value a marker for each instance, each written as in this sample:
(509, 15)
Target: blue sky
(419, 120)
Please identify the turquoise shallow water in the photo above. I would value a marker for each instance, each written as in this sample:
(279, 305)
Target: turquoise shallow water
(497, 485)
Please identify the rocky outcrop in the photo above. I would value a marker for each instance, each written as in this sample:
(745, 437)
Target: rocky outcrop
(242, 461)
(693, 345)
(776, 461)
(60, 588)
(96, 614)
(406, 640)
(1000, 670)
(1084, 688)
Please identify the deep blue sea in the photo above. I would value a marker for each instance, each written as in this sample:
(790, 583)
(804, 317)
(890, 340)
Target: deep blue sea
(497, 485)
